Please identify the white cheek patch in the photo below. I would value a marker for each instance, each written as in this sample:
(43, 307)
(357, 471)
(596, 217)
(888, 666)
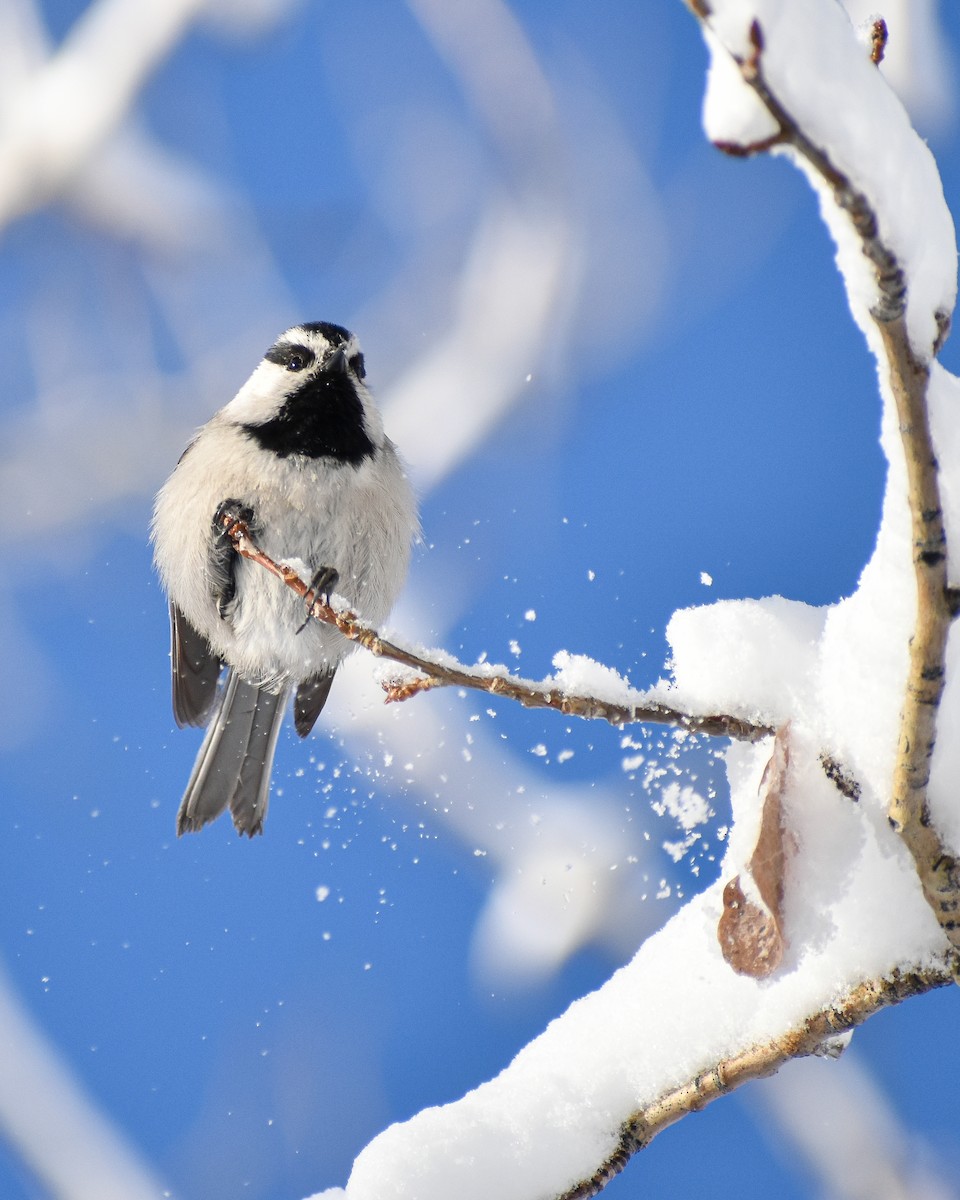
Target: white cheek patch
(262, 396)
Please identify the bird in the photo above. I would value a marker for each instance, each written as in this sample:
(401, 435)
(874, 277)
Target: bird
(300, 456)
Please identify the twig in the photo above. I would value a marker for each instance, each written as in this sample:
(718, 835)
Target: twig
(816, 1033)
(454, 674)
(845, 784)
(879, 36)
(908, 812)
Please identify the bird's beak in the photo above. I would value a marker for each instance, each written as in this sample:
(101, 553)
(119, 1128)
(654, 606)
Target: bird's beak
(337, 362)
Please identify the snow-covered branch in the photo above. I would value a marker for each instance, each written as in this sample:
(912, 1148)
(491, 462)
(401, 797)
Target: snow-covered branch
(907, 367)
(825, 1033)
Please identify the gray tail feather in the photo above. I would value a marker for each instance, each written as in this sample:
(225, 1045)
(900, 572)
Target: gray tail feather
(234, 762)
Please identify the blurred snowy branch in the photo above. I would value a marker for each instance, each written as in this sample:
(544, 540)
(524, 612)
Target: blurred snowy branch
(62, 110)
(804, 1106)
(55, 1125)
(520, 273)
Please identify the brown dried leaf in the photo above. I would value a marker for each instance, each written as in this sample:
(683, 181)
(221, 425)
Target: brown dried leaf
(750, 930)
(749, 935)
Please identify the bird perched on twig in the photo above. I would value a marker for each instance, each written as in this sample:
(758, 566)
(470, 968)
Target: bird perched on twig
(301, 457)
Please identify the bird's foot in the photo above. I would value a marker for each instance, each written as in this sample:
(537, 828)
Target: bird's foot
(321, 585)
(230, 514)
(232, 518)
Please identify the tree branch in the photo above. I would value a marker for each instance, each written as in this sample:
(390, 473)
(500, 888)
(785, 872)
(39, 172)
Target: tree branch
(908, 372)
(451, 673)
(908, 810)
(812, 1037)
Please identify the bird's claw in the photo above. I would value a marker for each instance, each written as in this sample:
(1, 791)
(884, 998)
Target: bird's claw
(324, 580)
(232, 519)
(230, 514)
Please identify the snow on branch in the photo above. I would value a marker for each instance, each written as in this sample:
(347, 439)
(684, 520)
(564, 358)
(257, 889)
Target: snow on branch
(621, 706)
(908, 375)
(824, 1034)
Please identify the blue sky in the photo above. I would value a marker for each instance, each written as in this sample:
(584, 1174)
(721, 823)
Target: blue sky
(699, 402)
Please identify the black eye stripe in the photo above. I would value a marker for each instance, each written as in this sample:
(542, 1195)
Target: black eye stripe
(357, 366)
(291, 356)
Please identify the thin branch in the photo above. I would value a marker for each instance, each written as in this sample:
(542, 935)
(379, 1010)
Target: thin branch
(812, 1037)
(498, 683)
(909, 374)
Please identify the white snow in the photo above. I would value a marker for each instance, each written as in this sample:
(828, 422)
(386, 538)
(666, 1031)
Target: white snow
(751, 658)
(685, 804)
(826, 81)
(580, 675)
(553, 1115)
(853, 907)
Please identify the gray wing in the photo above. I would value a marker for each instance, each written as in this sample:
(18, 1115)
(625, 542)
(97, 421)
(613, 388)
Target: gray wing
(195, 669)
(310, 698)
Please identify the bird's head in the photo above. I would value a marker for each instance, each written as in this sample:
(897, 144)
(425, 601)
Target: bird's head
(308, 397)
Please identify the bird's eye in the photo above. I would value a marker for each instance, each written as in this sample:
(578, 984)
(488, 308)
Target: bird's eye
(298, 358)
(357, 366)
(291, 358)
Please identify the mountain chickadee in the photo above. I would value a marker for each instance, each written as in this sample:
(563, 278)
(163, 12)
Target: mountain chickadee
(301, 456)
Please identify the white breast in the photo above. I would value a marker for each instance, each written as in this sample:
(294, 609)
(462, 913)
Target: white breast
(309, 513)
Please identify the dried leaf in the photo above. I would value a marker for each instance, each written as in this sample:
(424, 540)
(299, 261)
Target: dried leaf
(750, 931)
(749, 934)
